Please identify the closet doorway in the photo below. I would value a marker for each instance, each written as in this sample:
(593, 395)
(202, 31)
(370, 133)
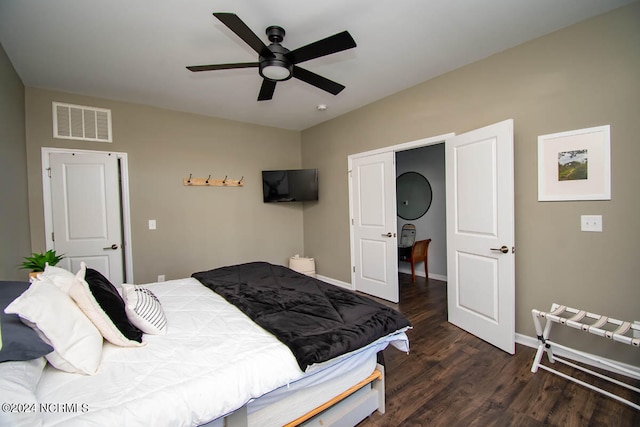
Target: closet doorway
(429, 162)
(479, 222)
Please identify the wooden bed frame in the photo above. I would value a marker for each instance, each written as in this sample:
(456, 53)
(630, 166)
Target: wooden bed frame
(347, 408)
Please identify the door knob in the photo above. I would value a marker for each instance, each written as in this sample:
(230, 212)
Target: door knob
(114, 247)
(502, 249)
(387, 235)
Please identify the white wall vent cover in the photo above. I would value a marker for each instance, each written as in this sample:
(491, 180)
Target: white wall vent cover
(81, 122)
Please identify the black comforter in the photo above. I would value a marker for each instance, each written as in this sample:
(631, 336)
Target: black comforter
(316, 320)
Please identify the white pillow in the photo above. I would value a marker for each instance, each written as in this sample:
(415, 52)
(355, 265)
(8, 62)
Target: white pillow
(77, 344)
(60, 277)
(18, 385)
(81, 293)
(144, 309)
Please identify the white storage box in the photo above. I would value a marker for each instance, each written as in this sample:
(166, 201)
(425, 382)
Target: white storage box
(303, 265)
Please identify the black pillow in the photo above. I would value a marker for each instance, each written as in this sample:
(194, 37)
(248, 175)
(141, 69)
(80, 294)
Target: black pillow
(111, 303)
(19, 341)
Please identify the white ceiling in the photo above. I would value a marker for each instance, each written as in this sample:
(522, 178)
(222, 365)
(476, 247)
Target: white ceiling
(137, 50)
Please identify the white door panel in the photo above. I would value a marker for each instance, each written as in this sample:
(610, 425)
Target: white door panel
(475, 295)
(374, 225)
(84, 207)
(99, 263)
(372, 251)
(476, 214)
(85, 202)
(480, 213)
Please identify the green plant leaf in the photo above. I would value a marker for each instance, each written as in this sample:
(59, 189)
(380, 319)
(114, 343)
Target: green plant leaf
(38, 261)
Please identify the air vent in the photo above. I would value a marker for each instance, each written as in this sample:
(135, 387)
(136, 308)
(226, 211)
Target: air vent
(81, 122)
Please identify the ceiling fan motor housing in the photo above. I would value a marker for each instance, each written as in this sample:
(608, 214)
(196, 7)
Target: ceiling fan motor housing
(278, 68)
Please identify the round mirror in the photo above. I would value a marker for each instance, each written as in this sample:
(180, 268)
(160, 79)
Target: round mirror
(413, 195)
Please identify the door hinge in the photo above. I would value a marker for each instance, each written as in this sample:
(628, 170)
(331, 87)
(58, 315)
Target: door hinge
(53, 237)
(49, 172)
(352, 221)
(354, 268)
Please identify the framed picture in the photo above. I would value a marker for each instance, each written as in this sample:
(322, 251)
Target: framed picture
(575, 165)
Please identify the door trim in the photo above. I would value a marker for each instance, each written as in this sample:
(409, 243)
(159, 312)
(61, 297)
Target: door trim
(124, 195)
(394, 148)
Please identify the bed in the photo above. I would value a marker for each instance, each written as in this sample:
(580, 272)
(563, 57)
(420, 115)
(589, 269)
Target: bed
(254, 344)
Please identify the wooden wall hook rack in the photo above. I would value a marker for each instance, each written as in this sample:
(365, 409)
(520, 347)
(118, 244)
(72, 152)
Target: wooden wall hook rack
(198, 182)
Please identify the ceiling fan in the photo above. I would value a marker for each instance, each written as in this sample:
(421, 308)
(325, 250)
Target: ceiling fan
(277, 63)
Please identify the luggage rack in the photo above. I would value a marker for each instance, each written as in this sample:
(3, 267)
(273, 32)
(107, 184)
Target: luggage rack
(603, 326)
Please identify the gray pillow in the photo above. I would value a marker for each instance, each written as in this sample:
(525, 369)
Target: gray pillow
(19, 342)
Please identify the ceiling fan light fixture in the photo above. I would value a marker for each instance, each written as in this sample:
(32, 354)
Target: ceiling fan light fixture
(276, 63)
(276, 70)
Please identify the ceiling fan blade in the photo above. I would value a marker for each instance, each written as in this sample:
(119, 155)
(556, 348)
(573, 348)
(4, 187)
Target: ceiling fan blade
(332, 44)
(266, 90)
(317, 80)
(222, 66)
(235, 24)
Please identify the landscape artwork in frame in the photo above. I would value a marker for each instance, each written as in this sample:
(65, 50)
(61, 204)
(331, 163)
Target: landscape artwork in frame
(575, 165)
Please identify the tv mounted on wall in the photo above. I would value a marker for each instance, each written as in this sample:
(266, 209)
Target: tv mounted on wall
(293, 185)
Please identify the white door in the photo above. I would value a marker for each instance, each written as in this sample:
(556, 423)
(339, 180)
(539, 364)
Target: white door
(85, 201)
(375, 252)
(480, 233)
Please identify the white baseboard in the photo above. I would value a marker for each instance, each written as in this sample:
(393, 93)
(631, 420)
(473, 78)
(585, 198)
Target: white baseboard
(335, 282)
(579, 356)
(421, 274)
(349, 286)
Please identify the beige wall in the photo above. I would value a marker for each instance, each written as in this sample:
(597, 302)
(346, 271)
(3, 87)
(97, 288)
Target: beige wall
(583, 76)
(14, 207)
(198, 228)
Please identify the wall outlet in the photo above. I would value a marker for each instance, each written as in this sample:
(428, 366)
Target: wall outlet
(160, 277)
(591, 223)
(152, 224)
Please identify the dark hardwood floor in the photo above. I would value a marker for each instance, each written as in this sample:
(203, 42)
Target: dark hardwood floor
(451, 378)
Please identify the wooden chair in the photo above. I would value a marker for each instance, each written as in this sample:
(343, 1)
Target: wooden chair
(419, 253)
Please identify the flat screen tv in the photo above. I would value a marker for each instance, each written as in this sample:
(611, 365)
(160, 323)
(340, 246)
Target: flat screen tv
(294, 185)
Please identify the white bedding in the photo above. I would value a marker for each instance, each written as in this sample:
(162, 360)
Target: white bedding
(200, 377)
(212, 361)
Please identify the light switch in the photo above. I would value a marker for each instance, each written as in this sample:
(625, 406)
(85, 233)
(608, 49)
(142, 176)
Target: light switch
(152, 224)
(591, 223)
